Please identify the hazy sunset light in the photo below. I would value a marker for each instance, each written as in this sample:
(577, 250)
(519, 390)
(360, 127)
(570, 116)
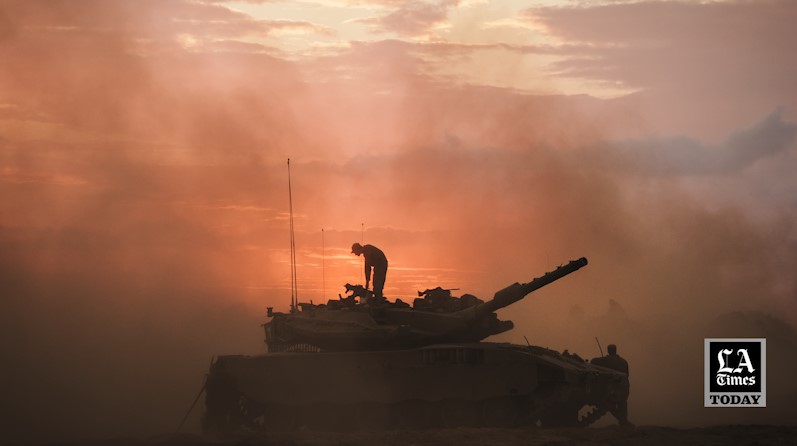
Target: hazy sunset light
(144, 191)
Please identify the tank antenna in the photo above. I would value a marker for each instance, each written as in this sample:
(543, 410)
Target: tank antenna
(362, 232)
(323, 268)
(599, 345)
(294, 287)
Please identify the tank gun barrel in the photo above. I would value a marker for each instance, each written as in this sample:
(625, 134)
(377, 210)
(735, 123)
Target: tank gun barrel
(518, 291)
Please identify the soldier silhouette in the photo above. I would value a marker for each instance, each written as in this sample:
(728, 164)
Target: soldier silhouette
(374, 258)
(616, 362)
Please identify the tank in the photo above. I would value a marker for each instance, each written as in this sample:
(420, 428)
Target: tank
(363, 363)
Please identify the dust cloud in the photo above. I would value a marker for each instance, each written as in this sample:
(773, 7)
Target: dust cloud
(143, 227)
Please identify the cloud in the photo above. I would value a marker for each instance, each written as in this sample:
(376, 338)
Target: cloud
(147, 20)
(685, 156)
(177, 97)
(411, 18)
(729, 61)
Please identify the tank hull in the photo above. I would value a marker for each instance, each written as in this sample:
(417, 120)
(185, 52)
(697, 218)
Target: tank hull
(447, 385)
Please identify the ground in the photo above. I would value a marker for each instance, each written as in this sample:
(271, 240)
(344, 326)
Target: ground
(612, 435)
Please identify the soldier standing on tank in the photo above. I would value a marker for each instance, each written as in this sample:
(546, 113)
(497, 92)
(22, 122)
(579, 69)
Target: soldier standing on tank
(374, 258)
(616, 362)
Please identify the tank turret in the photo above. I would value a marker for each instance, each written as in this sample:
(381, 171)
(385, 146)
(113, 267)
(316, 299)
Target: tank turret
(371, 324)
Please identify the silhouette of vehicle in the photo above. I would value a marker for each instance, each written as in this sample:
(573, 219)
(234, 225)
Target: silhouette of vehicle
(375, 364)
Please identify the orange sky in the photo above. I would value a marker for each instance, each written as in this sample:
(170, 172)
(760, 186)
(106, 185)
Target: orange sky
(143, 185)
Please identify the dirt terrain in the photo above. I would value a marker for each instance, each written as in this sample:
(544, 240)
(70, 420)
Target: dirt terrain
(612, 435)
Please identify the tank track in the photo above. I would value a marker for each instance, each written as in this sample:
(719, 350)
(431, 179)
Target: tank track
(249, 416)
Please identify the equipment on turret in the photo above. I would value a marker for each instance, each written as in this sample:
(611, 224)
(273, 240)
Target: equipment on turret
(380, 325)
